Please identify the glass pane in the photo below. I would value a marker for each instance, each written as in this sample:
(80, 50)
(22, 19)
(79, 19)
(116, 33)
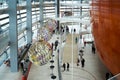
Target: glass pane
(116, 77)
(3, 58)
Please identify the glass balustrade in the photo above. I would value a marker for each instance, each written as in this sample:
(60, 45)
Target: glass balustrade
(116, 77)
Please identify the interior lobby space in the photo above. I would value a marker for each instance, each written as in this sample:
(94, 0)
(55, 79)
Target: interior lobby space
(59, 40)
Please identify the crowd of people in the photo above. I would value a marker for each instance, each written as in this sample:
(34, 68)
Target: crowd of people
(80, 60)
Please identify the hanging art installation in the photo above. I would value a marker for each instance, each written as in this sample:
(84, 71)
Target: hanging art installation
(44, 34)
(40, 52)
(51, 24)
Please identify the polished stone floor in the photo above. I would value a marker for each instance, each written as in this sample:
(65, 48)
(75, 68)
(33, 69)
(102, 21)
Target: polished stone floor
(93, 70)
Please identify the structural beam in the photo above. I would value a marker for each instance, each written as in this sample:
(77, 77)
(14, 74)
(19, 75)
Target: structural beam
(29, 21)
(41, 13)
(13, 35)
(57, 11)
(81, 14)
(75, 4)
(71, 19)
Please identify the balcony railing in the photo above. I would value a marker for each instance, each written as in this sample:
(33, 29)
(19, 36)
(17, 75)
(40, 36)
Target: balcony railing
(116, 77)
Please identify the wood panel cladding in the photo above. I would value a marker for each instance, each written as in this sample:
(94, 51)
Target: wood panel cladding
(105, 19)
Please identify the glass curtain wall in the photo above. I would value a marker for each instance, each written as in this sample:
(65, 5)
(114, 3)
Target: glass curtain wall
(66, 10)
(49, 11)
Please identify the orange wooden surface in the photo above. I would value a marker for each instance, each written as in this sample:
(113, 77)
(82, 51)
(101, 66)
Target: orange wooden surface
(105, 17)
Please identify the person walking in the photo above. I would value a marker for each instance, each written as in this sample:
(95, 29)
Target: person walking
(68, 65)
(64, 66)
(83, 62)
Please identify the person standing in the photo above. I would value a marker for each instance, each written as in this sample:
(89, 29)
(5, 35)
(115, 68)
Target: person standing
(74, 30)
(81, 53)
(83, 62)
(57, 29)
(93, 48)
(107, 76)
(58, 51)
(76, 40)
(56, 44)
(23, 66)
(68, 65)
(84, 41)
(78, 62)
(64, 66)
(67, 29)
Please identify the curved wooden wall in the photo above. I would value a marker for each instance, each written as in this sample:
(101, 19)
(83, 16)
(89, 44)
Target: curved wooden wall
(105, 17)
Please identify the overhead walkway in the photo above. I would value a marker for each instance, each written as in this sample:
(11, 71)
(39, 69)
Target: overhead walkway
(75, 4)
(72, 19)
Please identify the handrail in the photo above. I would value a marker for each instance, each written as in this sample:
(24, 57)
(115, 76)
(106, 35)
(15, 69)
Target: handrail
(115, 77)
(59, 68)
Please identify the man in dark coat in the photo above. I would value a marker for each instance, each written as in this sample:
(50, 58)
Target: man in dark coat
(83, 62)
(93, 48)
(56, 44)
(68, 65)
(64, 66)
